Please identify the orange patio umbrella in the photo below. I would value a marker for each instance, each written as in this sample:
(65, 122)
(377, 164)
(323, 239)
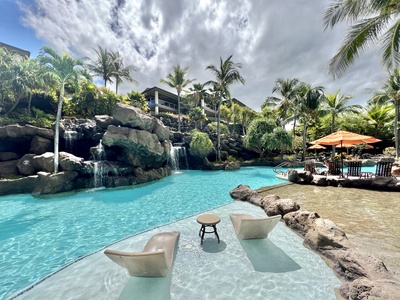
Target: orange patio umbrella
(316, 147)
(345, 137)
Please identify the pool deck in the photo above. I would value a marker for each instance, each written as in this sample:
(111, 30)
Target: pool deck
(279, 267)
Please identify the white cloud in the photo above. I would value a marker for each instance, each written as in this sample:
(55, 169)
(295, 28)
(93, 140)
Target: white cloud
(271, 39)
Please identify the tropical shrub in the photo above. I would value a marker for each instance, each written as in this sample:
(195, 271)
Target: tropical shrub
(201, 145)
(389, 151)
(212, 128)
(197, 117)
(138, 100)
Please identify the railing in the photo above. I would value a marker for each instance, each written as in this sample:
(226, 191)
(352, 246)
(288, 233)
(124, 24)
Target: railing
(285, 164)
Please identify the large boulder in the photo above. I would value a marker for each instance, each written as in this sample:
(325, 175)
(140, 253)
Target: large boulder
(25, 165)
(325, 235)
(103, 121)
(70, 162)
(16, 131)
(132, 117)
(18, 186)
(54, 183)
(280, 207)
(8, 168)
(140, 148)
(363, 288)
(40, 145)
(245, 193)
(300, 221)
(44, 162)
(160, 130)
(143, 176)
(351, 264)
(4, 156)
(232, 165)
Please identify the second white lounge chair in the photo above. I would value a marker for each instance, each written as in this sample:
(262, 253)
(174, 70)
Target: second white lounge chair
(155, 260)
(247, 227)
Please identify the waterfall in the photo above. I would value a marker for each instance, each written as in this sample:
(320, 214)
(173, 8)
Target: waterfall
(99, 170)
(178, 159)
(70, 136)
(98, 173)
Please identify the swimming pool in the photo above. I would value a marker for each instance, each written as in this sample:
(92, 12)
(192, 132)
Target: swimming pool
(38, 236)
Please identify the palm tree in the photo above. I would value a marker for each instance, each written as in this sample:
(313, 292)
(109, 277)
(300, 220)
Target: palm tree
(103, 65)
(63, 69)
(372, 22)
(178, 81)
(225, 75)
(335, 104)
(120, 71)
(390, 93)
(379, 116)
(197, 93)
(310, 101)
(287, 102)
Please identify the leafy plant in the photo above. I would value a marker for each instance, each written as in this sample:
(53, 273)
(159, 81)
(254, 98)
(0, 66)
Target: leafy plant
(201, 145)
(212, 128)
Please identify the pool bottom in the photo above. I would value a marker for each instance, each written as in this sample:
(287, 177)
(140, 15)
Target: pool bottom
(279, 267)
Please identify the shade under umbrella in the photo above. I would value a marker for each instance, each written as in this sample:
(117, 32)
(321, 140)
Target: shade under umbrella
(345, 145)
(316, 147)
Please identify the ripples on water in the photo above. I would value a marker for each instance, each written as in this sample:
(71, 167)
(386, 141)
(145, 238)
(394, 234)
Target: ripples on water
(369, 218)
(38, 236)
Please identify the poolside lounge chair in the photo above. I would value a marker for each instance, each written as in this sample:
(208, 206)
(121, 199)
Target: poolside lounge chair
(333, 167)
(384, 168)
(354, 168)
(155, 260)
(247, 227)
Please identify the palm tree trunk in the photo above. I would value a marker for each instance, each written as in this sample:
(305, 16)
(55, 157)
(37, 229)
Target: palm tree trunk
(29, 103)
(219, 131)
(304, 140)
(397, 127)
(57, 129)
(179, 112)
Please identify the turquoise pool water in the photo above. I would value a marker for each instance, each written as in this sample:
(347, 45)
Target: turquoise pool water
(39, 236)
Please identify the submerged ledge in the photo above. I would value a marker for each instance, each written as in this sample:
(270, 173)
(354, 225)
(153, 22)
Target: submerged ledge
(364, 276)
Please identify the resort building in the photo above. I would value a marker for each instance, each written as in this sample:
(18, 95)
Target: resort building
(16, 50)
(162, 101)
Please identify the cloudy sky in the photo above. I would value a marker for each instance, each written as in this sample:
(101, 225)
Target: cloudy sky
(271, 39)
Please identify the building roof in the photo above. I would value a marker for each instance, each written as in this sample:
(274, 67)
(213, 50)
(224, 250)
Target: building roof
(166, 95)
(15, 50)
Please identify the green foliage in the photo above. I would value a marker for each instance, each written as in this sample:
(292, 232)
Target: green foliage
(257, 128)
(212, 128)
(201, 145)
(91, 100)
(138, 100)
(38, 118)
(197, 117)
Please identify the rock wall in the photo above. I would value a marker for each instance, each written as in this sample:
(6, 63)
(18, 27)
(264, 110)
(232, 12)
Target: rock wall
(363, 275)
(136, 149)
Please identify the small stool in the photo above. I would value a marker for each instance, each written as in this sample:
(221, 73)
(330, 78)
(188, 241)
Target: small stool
(208, 220)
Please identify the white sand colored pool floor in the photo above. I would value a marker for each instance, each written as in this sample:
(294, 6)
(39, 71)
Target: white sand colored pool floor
(279, 267)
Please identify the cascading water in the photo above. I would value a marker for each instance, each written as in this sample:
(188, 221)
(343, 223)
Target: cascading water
(178, 158)
(98, 155)
(70, 136)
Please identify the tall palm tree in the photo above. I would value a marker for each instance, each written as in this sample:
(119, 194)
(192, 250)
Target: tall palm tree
(103, 65)
(120, 70)
(178, 81)
(287, 106)
(336, 104)
(310, 102)
(390, 93)
(63, 69)
(372, 22)
(225, 75)
(198, 93)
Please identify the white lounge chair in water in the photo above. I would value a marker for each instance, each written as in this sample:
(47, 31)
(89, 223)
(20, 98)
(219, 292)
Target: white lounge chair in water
(155, 260)
(247, 227)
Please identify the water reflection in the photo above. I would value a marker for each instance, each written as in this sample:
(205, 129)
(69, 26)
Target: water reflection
(369, 218)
